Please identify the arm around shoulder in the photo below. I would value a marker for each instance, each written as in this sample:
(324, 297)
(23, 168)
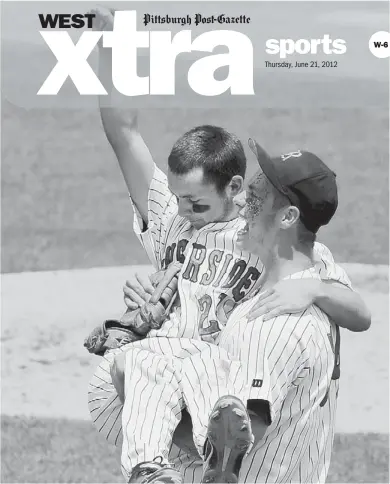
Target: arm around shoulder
(344, 306)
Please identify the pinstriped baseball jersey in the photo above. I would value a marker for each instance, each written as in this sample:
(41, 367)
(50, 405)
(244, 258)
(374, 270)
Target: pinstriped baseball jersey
(106, 408)
(167, 238)
(288, 362)
(167, 234)
(216, 275)
(327, 268)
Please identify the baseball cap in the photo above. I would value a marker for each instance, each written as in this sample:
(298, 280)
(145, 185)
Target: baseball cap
(305, 180)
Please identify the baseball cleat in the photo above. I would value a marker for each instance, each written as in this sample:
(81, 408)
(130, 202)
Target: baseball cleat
(155, 473)
(229, 437)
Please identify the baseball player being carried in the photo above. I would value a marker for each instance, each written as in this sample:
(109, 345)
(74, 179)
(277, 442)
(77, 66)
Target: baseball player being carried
(190, 218)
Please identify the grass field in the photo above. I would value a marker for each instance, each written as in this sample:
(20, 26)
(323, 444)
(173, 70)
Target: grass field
(64, 204)
(68, 451)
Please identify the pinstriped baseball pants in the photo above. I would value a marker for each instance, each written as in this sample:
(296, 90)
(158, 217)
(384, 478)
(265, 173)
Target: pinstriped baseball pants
(162, 376)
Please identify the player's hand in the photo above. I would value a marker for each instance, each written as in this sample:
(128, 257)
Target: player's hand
(137, 290)
(104, 18)
(287, 296)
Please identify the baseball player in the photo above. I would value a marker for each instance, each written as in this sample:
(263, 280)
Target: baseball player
(193, 220)
(288, 360)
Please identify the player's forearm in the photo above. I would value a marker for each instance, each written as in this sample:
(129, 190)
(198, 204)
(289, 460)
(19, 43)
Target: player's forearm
(121, 129)
(134, 158)
(345, 307)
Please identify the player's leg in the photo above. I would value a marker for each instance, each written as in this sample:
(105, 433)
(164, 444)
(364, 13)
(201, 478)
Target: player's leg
(104, 404)
(203, 363)
(206, 377)
(221, 426)
(152, 376)
(235, 423)
(105, 390)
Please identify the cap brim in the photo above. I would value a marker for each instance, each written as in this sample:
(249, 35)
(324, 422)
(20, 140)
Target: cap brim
(266, 164)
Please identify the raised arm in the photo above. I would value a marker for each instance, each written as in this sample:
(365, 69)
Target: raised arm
(135, 160)
(121, 128)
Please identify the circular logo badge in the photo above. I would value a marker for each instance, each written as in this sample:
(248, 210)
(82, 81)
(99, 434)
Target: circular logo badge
(379, 44)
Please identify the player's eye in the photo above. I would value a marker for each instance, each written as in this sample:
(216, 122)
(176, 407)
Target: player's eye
(199, 208)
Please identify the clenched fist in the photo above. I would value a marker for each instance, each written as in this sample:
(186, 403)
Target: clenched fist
(104, 18)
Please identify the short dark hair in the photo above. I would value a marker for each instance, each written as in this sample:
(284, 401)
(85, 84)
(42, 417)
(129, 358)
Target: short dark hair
(218, 152)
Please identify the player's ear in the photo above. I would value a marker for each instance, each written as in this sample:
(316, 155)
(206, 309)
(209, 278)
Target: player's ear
(235, 186)
(289, 216)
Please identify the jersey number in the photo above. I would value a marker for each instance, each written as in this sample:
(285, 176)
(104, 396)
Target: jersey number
(205, 303)
(224, 307)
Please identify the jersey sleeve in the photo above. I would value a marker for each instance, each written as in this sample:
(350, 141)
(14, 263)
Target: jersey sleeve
(162, 205)
(327, 268)
(284, 353)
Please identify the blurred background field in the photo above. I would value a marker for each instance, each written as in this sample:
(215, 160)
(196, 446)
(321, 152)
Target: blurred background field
(63, 451)
(64, 204)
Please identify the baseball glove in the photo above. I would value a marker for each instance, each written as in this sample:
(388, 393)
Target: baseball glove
(108, 336)
(135, 324)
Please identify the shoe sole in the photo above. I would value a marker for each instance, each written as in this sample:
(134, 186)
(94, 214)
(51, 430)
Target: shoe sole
(230, 434)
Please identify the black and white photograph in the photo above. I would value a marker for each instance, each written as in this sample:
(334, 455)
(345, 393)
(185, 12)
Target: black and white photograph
(195, 242)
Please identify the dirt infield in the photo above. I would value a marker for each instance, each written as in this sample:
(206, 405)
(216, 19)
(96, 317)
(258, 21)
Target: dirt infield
(46, 315)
